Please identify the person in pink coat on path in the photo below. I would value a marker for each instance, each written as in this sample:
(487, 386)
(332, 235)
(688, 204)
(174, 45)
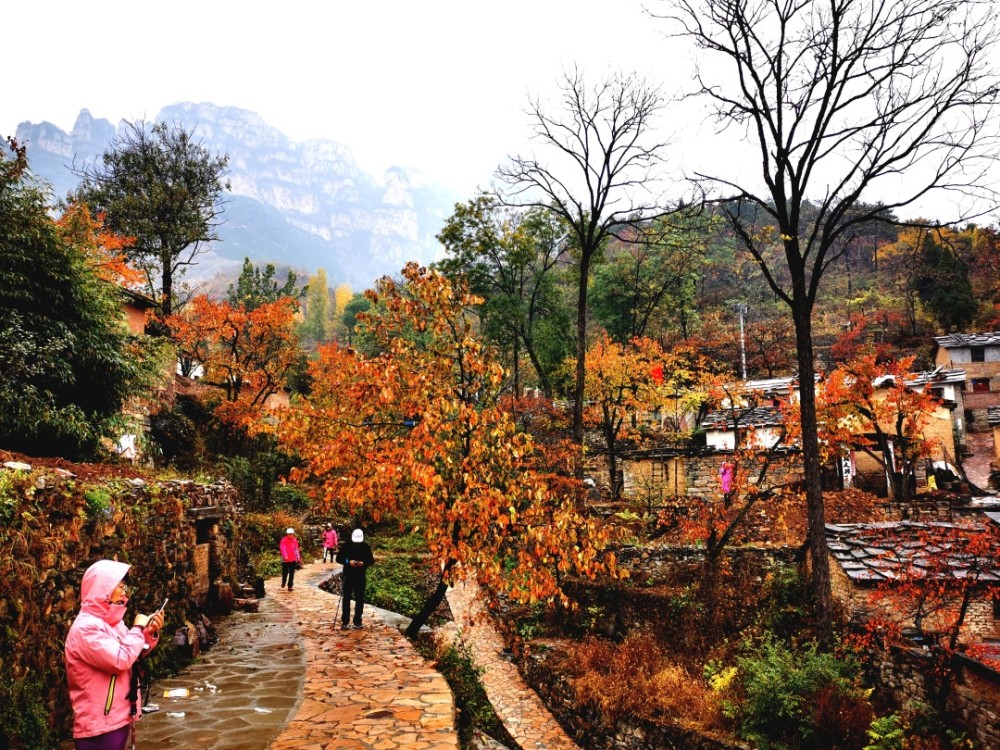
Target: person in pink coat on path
(329, 542)
(290, 558)
(100, 652)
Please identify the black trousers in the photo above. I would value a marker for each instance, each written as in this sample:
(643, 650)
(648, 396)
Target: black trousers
(354, 588)
(288, 574)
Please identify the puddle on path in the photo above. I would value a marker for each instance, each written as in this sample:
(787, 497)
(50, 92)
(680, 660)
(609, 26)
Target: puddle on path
(241, 692)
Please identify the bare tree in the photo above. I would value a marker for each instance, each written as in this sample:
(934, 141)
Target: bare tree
(599, 178)
(842, 101)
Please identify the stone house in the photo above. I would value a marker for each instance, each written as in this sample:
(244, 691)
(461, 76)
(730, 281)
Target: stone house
(979, 355)
(870, 557)
(944, 429)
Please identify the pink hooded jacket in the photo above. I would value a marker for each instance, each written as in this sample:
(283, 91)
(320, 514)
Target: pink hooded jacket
(330, 538)
(289, 548)
(100, 652)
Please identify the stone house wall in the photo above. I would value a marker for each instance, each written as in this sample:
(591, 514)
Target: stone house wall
(980, 621)
(973, 699)
(702, 472)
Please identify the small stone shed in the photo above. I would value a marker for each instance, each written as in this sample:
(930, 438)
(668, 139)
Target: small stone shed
(883, 555)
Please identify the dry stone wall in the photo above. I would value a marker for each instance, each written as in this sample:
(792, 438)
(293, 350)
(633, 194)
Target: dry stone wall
(974, 697)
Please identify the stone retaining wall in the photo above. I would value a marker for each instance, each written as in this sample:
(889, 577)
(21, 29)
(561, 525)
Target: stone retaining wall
(678, 564)
(53, 527)
(974, 697)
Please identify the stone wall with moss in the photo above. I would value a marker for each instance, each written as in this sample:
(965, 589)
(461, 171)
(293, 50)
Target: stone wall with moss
(177, 535)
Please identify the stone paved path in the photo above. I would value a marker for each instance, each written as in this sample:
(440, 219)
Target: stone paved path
(289, 679)
(518, 706)
(364, 689)
(240, 692)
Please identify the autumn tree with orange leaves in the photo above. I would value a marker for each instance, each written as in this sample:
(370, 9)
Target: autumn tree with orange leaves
(623, 380)
(870, 406)
(416, 430)
(247, 352)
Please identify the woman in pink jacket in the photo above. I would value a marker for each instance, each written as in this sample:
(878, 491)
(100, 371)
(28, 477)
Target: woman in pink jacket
(100, 651)
(290, 558)
(329, 542)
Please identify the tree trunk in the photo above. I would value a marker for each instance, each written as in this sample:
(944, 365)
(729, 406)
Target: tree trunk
(167, 290)
(581, 356)
(819, 557)
(413, 629)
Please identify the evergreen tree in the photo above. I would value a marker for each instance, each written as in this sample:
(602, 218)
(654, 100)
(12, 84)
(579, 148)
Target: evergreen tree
(68, 361)
(314, 327)
(944, 287)
(256, 287)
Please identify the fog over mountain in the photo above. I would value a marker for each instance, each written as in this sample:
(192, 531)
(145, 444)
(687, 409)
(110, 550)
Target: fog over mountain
(304, 205)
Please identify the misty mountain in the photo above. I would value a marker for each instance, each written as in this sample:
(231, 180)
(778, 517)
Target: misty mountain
(304, 205)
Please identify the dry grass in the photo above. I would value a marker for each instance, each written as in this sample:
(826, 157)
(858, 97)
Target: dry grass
(635, 678)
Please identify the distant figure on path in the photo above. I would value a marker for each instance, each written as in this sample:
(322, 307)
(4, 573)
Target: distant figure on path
(101, 659)
(291, 558)
(329, 542)
(356, 557)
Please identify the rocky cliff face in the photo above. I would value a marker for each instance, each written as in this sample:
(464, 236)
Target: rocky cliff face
(307, 205)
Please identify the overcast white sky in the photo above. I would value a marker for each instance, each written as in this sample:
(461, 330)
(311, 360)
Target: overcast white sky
(438, 85)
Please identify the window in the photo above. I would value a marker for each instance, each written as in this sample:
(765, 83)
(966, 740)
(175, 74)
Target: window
(980, 385)
(978, 353)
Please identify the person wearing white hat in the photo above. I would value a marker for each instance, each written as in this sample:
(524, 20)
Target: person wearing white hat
(356, 557)
(291, 558)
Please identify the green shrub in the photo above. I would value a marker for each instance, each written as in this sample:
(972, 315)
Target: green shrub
(266, 564)
(177, 438)
(804, 699)
(291, 498)
(98, 502)
(394, 584)
(886, 733)
(9, 500)
(24, 715)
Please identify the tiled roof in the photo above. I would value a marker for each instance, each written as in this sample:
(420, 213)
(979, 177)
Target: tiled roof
(956, 340)
(877, 552)
(759, 416)
(936, 376)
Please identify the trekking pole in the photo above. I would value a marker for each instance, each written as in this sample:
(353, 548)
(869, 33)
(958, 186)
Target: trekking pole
(341, 599)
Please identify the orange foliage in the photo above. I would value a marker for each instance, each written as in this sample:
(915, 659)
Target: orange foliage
(637, 678)
(418, 429)
(867, 404)
(934, 573)
(246, 352)
(104, 249)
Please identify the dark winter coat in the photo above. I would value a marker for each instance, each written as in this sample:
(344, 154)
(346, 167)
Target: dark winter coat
(356, 557)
